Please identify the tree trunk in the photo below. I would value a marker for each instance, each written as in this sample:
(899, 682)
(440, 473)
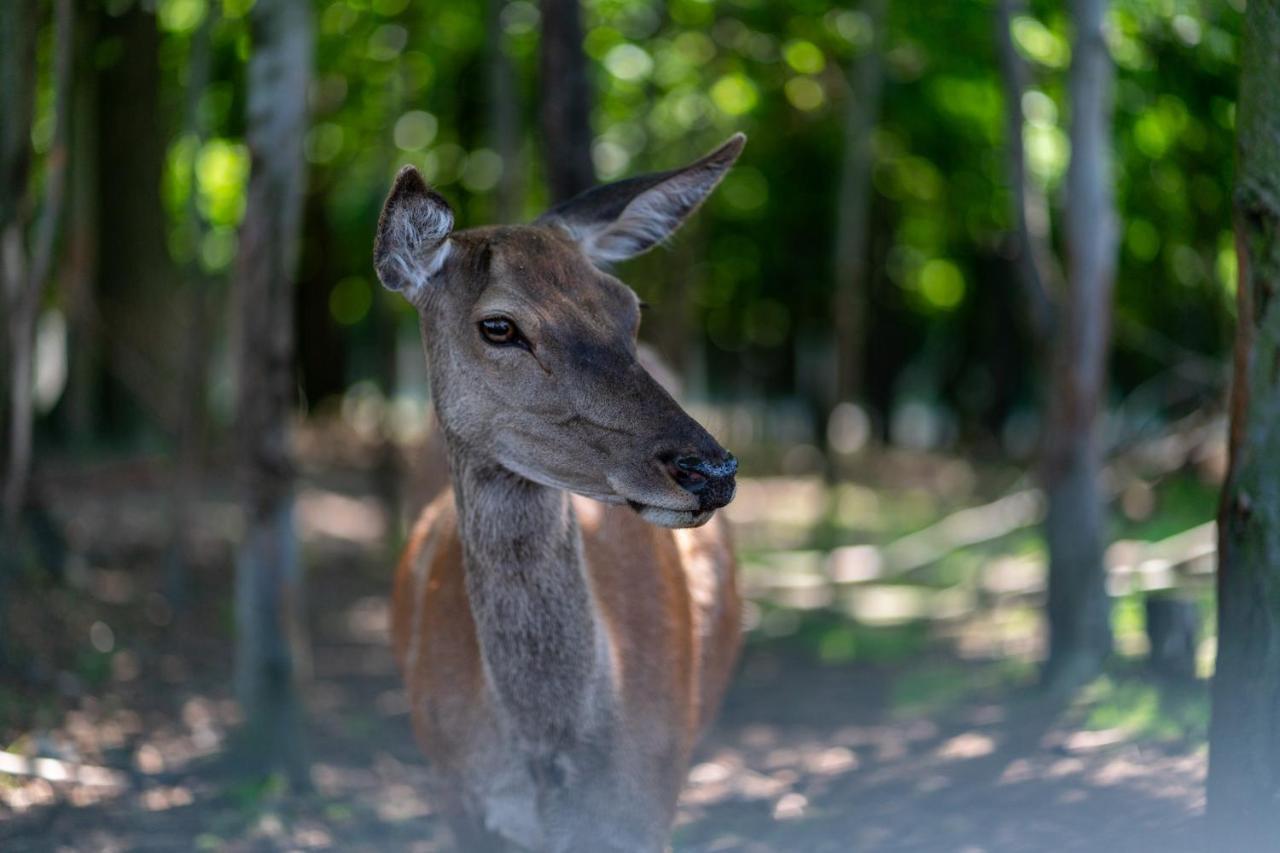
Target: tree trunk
(136, 297)
(1244, 738)
(188, 462)
(566, 101)
(1033, 257)
(80, 276)
(25, 261)
(17, 88)
(504, 116)
(853, 212)
(17, 95)
(269, 650)
(17, 100)
(25, 265)
(1079, 611)
(1173, 632)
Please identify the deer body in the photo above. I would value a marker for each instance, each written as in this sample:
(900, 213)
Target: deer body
(566, 616)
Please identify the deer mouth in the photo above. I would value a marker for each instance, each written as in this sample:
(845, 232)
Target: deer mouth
(671, 518)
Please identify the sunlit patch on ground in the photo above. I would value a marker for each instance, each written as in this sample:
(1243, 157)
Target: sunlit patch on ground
(885, 700)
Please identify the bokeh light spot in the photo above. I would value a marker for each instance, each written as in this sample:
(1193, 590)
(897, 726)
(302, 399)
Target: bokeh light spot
(804, 56)
(415, 130)
(628, 62)
(805, 93)
(734, 94)
(941, 284)
(350, 300)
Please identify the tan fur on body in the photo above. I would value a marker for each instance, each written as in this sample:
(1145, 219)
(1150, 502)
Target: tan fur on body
(561, 651)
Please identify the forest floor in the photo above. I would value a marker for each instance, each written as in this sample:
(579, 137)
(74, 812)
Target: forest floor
(899, 735)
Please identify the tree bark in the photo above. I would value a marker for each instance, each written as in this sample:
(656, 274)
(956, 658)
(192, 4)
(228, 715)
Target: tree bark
(17, 87)
(17, 100)
(504, 116)
(25, 264)
(1244, 737)
(1035, 268)
(566, 101)
(1078, 608)
(188, 462)
(853, 212)
(17, 95)
(80, 277)
(135, 275)
(269, 649)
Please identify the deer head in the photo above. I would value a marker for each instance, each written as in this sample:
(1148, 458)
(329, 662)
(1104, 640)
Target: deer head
(531, 343)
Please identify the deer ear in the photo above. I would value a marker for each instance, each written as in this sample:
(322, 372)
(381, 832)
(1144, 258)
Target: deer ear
(618, 221)
(413, 235)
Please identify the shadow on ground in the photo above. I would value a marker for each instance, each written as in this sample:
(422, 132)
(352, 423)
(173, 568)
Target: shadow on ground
(807, 757)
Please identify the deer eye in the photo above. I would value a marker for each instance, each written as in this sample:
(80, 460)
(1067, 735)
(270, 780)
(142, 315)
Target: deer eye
(500, 331)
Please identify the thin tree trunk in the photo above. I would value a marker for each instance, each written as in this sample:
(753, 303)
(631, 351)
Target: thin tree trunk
(187, 469)
(566, 101)
(504, 116)
(853, 212)
(1244, 738)
(26, 267)
(82, 245)
(1036, 270)
(269, 650)
(1078, 610)
(17, 101)
(17, 95)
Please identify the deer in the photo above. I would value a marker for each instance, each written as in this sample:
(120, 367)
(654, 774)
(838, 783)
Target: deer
(566, 615)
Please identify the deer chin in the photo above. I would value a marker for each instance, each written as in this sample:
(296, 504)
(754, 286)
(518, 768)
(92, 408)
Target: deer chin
(672, 518)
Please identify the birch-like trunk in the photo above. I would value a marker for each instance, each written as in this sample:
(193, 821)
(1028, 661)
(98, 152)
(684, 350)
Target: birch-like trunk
(26, 259)
(566, 101)
(1078, 610)
(1244, 738)
(17, 94)
(270, 654)
(1033, 256)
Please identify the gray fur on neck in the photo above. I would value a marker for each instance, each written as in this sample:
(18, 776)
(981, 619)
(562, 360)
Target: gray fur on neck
(533, 607)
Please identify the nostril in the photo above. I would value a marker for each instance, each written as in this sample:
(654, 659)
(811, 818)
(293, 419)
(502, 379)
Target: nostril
(690, 463)
(701, 476)
(688, 474)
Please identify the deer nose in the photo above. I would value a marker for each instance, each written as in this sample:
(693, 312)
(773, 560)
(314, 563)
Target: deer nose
(712, 480)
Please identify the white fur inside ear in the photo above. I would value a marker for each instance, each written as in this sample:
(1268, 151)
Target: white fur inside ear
(649, 219)
(418, 271)
(437, 258)
(416, 244)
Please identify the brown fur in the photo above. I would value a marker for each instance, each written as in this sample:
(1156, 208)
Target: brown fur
(675, 651)
(561, 653)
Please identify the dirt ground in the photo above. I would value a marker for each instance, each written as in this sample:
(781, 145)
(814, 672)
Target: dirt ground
(806, 757)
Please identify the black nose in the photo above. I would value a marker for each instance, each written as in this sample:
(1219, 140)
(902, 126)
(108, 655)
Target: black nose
(712, 480)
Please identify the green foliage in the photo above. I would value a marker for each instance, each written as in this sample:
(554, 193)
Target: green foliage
(1128, 615)
(749, 284)
(932, 688)
(835, 640)
(1181, 502)
(94, 667)
(252, 795)
(1147, 710)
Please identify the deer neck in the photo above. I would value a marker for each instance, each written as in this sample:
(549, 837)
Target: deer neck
(540, 638)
